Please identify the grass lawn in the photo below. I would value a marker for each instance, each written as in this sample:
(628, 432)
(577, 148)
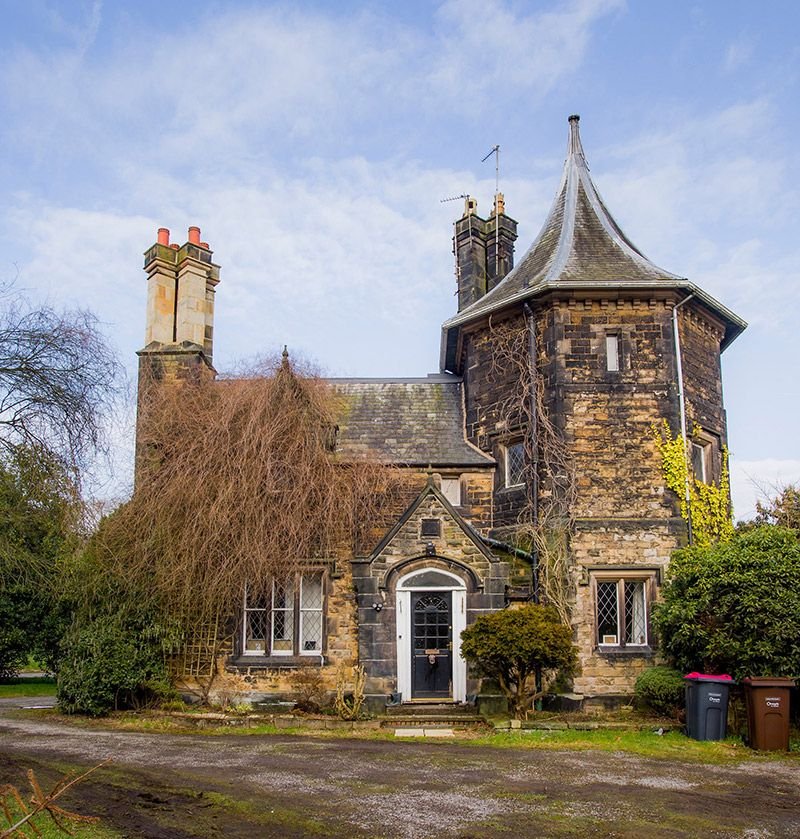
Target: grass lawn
(37, 686)
(46, 829)
(42, 824)
(668, 746)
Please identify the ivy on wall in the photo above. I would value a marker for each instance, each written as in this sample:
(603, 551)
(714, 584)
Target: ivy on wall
(708, 508)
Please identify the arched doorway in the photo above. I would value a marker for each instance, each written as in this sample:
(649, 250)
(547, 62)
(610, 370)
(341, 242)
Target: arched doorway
(431, 614)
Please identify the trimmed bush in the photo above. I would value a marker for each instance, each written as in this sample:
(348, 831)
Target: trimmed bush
(661, 689)
(511, 645)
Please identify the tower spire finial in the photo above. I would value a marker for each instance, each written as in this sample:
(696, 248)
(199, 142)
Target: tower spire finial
(574, 145)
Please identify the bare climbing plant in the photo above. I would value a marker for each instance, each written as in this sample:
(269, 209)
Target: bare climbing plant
(350, 682)
(546, 521)
(238, 481)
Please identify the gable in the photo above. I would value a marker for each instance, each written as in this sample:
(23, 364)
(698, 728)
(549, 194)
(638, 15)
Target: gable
(411, 537)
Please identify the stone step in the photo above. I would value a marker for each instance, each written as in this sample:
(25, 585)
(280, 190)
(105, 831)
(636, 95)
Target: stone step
(423, 709)
(433, 722)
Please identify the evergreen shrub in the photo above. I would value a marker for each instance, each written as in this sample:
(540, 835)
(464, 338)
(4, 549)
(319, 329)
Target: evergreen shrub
(661, 689)
(109, 664)
(734, 607)
(511, 645)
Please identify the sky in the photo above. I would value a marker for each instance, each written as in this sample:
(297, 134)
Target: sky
(313, 144)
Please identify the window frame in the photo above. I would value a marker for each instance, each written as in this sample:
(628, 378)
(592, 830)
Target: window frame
(296, 610)
(507, 447)
(453, 481)
(613, 352)
(647, 579)
(705, 446)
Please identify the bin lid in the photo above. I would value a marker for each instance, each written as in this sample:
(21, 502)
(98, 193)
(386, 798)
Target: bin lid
(769, 681)
(709, 677)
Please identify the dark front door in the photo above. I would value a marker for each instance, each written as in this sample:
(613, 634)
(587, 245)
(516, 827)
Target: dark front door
(432, 637)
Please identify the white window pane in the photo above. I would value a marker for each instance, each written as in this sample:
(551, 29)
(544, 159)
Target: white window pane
(607, 613)
(451, 490)
(311, 591)
(255, 631)
(255, 621)
(311, 600)
(283, 618)
(311, 632)
(699, 461)
(635, 617)
(612, 353)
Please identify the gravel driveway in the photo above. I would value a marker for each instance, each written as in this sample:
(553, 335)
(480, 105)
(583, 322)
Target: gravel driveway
(167, 785)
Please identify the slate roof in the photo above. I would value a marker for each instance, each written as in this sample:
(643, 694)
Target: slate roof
(580, 246)
(414, 422)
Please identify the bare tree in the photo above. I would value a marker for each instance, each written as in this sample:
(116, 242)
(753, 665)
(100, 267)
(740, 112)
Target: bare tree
(57, 380)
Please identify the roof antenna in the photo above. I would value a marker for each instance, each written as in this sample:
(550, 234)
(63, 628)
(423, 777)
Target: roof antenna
(495, 150)
(457, 270)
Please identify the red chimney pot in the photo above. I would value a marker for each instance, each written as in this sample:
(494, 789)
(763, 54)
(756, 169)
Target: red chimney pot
(205, 245)
(163, 236)
(194, 235)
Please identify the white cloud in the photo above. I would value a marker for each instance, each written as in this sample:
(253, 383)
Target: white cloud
(237, 87)
(493, 44)
(737, 55)
(710, 199)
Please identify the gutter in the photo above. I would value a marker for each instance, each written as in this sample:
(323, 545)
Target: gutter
(531, 557)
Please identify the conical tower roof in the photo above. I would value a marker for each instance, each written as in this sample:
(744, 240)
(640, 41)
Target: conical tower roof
(579, 247)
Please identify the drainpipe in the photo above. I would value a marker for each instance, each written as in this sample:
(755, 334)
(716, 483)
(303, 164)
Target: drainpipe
(682, 400)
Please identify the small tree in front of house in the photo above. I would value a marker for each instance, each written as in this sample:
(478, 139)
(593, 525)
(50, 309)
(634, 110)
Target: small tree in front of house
(512, 645)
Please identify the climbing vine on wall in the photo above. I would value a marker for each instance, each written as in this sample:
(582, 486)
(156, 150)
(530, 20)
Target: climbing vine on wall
(708, 507)
(546, 520)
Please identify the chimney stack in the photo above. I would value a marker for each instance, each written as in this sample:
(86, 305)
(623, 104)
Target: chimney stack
(181, 283)
(484, 250)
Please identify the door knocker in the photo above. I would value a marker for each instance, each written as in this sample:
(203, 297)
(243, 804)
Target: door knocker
(431, 659)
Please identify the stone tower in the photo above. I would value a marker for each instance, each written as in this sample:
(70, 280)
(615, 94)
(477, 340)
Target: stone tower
(615, 345)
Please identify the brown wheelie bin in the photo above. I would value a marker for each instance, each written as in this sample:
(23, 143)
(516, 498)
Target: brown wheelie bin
(768, 712)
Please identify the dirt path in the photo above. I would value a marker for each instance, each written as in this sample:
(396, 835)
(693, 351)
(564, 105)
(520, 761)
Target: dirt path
(251, 786)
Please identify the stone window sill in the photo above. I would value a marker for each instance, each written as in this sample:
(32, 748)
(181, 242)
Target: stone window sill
(612, 652)
(273, 662)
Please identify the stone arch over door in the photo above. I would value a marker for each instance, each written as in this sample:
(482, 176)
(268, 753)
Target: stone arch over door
(425, 589)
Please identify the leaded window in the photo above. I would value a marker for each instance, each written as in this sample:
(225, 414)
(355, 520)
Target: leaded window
(621, 612)
(286, 618)
(515, 464)
(311, 601)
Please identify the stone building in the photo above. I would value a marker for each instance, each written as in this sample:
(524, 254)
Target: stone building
(533, 446)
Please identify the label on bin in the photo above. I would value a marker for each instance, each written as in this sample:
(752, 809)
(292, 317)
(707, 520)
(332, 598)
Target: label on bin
(715, 697)
(773, 701)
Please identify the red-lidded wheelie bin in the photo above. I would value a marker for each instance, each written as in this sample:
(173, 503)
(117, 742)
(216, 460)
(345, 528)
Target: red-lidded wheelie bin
(707, 705)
